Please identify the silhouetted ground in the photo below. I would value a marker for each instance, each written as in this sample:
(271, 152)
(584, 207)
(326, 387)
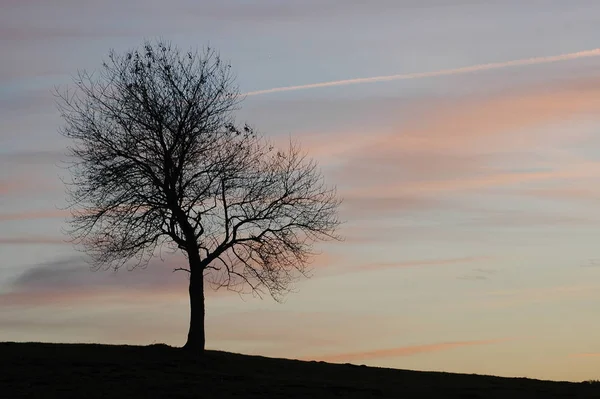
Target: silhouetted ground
(105, 371)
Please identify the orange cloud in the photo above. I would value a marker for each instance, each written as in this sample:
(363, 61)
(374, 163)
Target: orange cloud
(401, 351)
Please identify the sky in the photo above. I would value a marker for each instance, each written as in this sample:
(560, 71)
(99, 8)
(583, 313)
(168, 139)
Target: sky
(463, 136)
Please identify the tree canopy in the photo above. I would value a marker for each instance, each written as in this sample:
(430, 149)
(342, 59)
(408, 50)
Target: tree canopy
(160, 161)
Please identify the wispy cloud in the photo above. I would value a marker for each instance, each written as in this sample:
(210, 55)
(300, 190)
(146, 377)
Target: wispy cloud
(30, 215)
(512, 218)
(10, 187)
(585, 354)
(277, 326)
(478, 274)
(455, 134)
(33, 240)
(425, 262)
(368, 205)
(30, 33)
(567, 193)
(37, 157)
(70, 279)
(537, 295)
(444, 72)
(402, 351)
(505, 140)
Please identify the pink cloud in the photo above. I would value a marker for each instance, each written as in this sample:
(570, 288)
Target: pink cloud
(11, 187)
(497, 121)
(401, 351)
(478, 179)
(24, 183)
(466, 144)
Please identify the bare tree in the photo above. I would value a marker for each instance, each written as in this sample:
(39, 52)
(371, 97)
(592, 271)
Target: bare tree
(159, 161)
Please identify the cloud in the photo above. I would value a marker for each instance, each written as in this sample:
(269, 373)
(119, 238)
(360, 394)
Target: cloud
(402, 351)
(537, 295)
(32, 101)
(478, 274)
(72, 271)
(425, 262)
(41, 157)
(33, 240)
(31, 215)
(501, 140)
(520, 218)
(261, 12)
(290, 330)
(30, 33)
(70, 279)
(452, 136)
(22, 21)
(342, 269)
(445, 72)
(8, 187)
(288, 327)
(30, 172)
(585, 355)
(25, 186)
(362, 206)
(564, 193)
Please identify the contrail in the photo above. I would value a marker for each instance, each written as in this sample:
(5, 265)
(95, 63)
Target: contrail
(443, 72)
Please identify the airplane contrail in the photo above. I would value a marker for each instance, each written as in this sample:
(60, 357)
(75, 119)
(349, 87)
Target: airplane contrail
(443, 72)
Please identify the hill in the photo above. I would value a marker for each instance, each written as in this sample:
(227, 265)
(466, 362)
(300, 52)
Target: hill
(158, 371)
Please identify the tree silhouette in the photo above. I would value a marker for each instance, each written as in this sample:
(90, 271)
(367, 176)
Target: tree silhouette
(158, 161)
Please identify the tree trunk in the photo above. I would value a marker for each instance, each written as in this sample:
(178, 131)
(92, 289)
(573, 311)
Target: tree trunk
(196, 338)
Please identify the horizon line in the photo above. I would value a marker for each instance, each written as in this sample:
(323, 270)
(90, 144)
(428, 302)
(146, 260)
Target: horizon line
(444, 72)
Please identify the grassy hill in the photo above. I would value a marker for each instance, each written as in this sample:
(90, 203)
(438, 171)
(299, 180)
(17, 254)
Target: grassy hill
(101, 371)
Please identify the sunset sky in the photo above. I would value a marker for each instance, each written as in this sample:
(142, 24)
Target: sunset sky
(470, 177)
